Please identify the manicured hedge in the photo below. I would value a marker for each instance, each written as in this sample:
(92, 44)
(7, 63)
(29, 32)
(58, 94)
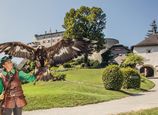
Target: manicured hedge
(131, 78)
(112, 77)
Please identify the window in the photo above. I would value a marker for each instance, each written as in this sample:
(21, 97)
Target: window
(48, 41)
(148, 51)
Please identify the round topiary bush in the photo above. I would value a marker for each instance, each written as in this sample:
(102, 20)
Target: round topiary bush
(112, 77)
(131, 78)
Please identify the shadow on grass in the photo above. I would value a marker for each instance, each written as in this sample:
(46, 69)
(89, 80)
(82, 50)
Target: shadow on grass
(131, 94)
(145, 90)
(136, 94)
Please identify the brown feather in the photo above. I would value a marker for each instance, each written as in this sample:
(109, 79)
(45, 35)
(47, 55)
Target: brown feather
(62, 51)
(66, 50)
(24, 51)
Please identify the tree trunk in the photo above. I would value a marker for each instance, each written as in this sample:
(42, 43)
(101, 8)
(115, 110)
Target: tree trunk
(86, 60)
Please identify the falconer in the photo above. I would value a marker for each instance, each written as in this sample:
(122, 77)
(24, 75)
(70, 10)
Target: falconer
(13, 99)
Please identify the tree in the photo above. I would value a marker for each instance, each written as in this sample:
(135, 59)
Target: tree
(132, 59)
(87, 23)
(107, 57)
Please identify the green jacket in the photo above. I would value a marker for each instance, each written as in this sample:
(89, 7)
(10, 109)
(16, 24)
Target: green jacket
(24, 77)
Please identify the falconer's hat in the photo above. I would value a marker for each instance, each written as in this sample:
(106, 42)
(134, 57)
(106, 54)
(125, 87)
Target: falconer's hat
(4, 59)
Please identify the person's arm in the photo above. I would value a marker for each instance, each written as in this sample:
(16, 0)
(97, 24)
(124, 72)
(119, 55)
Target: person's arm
(1, 86)
(26, 77)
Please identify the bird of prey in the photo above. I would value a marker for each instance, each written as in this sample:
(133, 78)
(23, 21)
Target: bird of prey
(61, 52)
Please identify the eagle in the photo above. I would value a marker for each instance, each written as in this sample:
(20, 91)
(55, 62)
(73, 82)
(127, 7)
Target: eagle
(62, 51)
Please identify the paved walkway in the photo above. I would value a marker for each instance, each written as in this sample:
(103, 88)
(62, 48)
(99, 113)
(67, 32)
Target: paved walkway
(142, 101)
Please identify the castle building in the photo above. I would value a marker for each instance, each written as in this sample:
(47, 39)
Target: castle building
(148, 49)
(48, 39)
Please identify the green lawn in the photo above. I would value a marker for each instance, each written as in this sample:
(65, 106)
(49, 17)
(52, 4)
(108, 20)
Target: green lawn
(153, 111)
(82, 86)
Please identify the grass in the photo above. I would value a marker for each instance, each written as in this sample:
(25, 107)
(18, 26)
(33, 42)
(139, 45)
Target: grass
(153, 111)
(82, 86)
(146, 84)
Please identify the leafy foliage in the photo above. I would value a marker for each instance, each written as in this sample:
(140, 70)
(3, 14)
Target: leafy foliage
(132, 59)
(29, 66)
(82, 86)
(80, 61)
(112, 77)
(87, 23)
(59, 77)
(94, 64)
(131, 77)
(106, 58)
(67, 65)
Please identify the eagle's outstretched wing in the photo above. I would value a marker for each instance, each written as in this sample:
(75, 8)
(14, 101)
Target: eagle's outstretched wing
(17, 49)
(66, 50)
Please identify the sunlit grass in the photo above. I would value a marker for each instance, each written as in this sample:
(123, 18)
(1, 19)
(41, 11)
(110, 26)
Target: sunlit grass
(82, 86)
(153, 111)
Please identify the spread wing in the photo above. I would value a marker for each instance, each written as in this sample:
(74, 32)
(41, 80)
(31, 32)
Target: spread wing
(66, 50)
(17, 49)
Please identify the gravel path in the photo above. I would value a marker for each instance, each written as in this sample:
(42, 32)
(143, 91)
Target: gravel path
(143, 100)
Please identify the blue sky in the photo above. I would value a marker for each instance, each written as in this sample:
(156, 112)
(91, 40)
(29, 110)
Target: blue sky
(127, 20)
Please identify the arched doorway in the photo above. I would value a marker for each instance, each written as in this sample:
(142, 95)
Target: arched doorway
(147, 70)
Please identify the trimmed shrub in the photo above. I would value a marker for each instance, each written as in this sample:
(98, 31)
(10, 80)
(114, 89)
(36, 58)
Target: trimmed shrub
(112, 77)
(131, 78)
(58, 76)
(67, 65)
(94, 64)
